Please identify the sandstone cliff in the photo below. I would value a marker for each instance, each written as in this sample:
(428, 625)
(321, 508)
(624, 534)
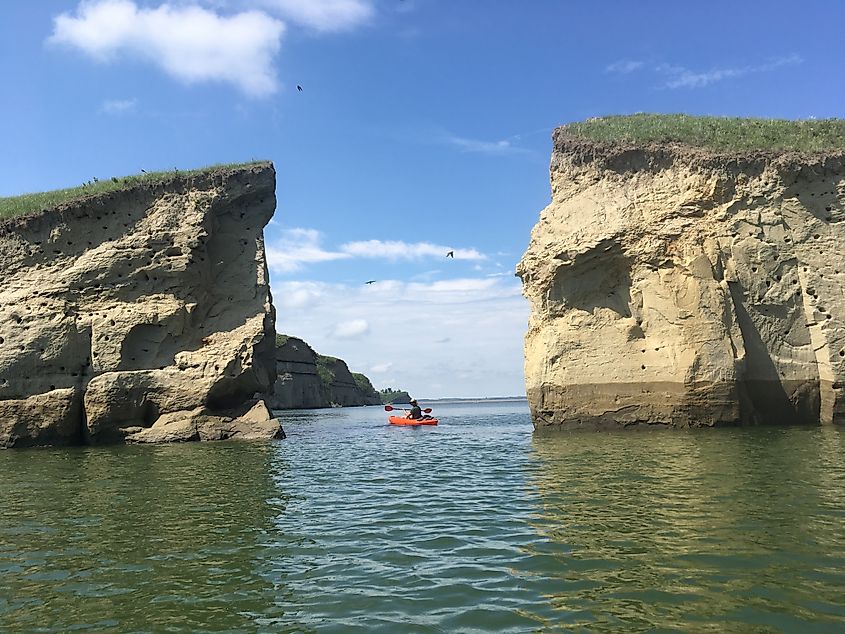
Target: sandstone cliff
(307, 380)
(679, 286)
(142, 314)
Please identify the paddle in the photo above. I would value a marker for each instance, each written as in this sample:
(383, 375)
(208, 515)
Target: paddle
(388, 408)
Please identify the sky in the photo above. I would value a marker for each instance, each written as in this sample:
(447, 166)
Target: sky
(422, 127)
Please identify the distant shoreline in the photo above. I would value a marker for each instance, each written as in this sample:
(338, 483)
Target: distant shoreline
(482, 399)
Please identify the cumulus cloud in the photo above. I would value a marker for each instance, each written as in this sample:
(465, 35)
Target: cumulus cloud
(469, 330)
(118, 106)
(189, 43)
(352, 329)
(323, 15)
(297, 247)
(294, 248)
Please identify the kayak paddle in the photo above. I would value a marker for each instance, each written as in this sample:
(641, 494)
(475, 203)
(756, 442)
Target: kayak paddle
(388, 408)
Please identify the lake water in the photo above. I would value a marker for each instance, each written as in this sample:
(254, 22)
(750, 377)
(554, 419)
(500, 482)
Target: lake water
(475, 525)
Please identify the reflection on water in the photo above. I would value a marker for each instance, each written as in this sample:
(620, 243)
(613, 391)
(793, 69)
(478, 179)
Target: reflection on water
(474, 525)
(680, 530)
(136, 538)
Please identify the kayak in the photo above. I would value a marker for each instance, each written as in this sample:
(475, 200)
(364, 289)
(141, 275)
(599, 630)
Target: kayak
(411, 422)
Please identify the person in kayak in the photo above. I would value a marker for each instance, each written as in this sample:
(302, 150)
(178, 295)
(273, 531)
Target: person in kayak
(416, 412)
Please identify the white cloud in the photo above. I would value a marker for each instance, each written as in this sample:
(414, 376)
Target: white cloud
(680, 77)
(352, 329)
(294, 248)
(399, 250)
(189, 43)
(118, 106)
(483, 147)
(623, 66)
(297, 247)
(323, 15)
(468, 330)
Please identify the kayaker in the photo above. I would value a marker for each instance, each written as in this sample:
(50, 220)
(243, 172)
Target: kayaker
(415, 412)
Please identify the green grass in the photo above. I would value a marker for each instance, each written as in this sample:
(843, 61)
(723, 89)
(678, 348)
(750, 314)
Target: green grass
(281, 340)
(718, 133)
(29, 203)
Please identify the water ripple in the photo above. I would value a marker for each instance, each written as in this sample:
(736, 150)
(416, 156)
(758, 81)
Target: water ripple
(474, 525)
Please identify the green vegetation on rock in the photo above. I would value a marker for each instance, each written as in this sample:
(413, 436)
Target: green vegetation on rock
(717, 133)
(30, 203)
(281, 340)
(389, 396)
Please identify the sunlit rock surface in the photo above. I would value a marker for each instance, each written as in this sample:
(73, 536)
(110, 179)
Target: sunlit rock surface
(676, 286)
(121, 309)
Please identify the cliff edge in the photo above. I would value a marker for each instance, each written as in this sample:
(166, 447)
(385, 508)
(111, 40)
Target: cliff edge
(307, 380)
(686, 286)
(140, 315)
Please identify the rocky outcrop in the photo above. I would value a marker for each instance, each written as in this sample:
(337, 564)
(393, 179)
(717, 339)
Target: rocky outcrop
(676, 286)
(308, 380)
(151, 303)
(298, 385)
(344, 391)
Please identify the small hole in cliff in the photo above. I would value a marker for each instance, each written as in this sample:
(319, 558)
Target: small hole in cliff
(52, 387)
(828, 209)
(2, 340)
(816, 236)
(111, 322)
(794, 281)
(778, 278)
(105, 337)
(768, 283)
(643, 367)
(753, 269)
(62, 369)
(828, 316)
(787, 239)
(842, 353)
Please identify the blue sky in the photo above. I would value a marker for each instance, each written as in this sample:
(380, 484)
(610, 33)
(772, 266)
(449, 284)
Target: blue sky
(422, 126)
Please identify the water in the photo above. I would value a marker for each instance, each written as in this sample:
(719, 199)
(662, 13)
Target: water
(475, 525)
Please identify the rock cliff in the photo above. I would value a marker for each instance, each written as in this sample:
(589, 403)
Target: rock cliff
(308, 380)
(679, 286)
(142, 314)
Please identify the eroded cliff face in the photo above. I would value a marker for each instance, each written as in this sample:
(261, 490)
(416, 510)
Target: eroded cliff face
(141, 315)
(300, 385)
(675, 286)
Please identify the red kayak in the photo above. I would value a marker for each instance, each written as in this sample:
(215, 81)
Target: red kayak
(411, 422)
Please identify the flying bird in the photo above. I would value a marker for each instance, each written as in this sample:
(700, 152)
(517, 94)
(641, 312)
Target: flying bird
(370, 282)
(451, 254)
(299, 88)
(143, 171)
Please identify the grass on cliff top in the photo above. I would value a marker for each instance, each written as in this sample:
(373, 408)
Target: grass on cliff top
(28, 203)
(718, 133)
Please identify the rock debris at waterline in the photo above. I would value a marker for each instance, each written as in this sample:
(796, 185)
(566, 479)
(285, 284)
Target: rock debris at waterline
(685, 287)
(142, 314)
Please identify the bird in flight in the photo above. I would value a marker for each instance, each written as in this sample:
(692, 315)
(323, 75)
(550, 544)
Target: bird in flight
(451, 254)
(370, 282)
(143, 171)
(299, 88)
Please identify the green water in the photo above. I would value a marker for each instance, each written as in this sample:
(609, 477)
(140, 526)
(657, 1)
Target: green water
(475, 525)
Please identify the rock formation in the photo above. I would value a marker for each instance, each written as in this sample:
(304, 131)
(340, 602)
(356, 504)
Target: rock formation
(308, 380)
(128, 312)
(680, 286)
